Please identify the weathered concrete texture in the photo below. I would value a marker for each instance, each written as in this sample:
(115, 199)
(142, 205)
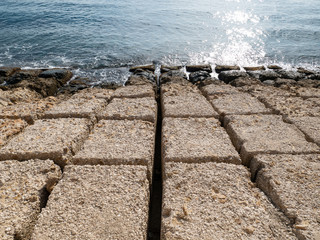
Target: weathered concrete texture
(267, 91)
(131, 108)
(77, 107)
(217, 201)
(97, 202)
(255, 134)
(14, 96)
(214, 89)
(293, 184)
(241, 103)
(28, 111)
(115, 142)
(55, 139)
(23, 187)
(310, 126)
(9, 128)
(292, 106)
(196, 140)
(178, 89)
(94, 92)
(134, 91)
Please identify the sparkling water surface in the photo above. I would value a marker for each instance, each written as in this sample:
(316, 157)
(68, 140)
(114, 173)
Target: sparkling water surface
(102, 38)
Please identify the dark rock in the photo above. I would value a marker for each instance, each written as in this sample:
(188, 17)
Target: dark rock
(179, 80)
(139, 80)
(290, 74)
(258, 68)
(62, 75)
(269, 82)
(173, 75)
(150, 67)
(264, 75)
(165, 68)
(145, 73)
(314, 76)
(2, 79)
(244, 81)
(287, 82)
(22, 75)
(8, 71)
(209, 81)
(305, 71)
(221, 68)
(198, 76)
(196, 68)
(309, 83)
(274, 67)
(228, 76)
(79, 81)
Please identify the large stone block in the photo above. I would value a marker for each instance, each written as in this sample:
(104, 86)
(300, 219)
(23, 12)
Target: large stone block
(9, 128)
(196, 140)
(134, 91)
(217, 201)
(256, 134)
(97, 202)
(214, 89)
(24, 187)
(292, 183)
(55, 139)
(178, 89)
(94, 92)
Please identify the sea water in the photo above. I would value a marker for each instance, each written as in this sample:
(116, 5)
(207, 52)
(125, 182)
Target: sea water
(100, 39)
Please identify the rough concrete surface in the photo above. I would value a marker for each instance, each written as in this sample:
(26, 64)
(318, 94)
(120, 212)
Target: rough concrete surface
(267, 91)
(293, 184)
(134, 91)
(196, 140)
(131, 108)
(80, 107)
(213, 89)
(54, 139)
(17, 95)
(309, 92)
(97, 202)
(241, 103)
(217, 201)
(9, 128)
(115, 142)
(254, 134)
(178, 89)
(23, 187)
(94, 92)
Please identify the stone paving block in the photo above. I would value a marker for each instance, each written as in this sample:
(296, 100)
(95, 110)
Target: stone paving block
(134, 91)
(115, 142)
(177, 89)
(94, 92)
(292, 182)
(79, 107)
(213, 89)
(28, 111)
(257, 134)
(131, 108)
(97, 202)
(310, 126)
(308, 92)
(23, 191)
(55, 139)
(192, 105)
(9, 128)
(241, 103)
(267, 91)
(217, 201)
(196, 140)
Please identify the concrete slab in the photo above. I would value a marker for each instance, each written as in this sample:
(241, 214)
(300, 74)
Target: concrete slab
(310, 126)
(192, 105)
(131, 109)
(97, 202)
(55, 139)
(76, 107)
(94, 92)
(9, 128)
(23, 187)
(258, 134)
(177, 89)
(134, 91)
(308, 92)
(196, 140)
(238, 104)
(115, 142)
(292, 183)
(217, 201)
(267, 91)
(213, 89)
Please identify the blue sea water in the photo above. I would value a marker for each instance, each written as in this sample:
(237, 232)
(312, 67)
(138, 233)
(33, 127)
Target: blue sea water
(102, 38)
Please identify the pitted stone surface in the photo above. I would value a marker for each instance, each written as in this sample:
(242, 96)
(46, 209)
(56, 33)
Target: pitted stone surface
(308, 92)
(217, 201)
(9, 128)
(134, 91)
(242, 104)
(94, 92)
(213, 89)
(22, 194)
(255, 134)
(76, 107)
(196, 140)
(177, 89)
(115, 142)
(54, 139)
(97, 203)
(267, 91)
(292, 182)
(131, 109)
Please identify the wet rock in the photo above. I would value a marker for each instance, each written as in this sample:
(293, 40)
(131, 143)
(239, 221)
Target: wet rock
(305, 71)
(314, 76)
(145, 73)
(165, 68)
(195, 68)
(150, 67)
(269, 82)
(228, 76)
(283, 81)
(309, 83)
(8, 71)
(258, 68)
(290, 74)
(198, 76)
(63, 75)
(173, 73)
(221, 68)
(244, 81)
(264, 75)
(209, 81)
(19, 76)
(139, 80)
(274, 67)
(2, 79)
